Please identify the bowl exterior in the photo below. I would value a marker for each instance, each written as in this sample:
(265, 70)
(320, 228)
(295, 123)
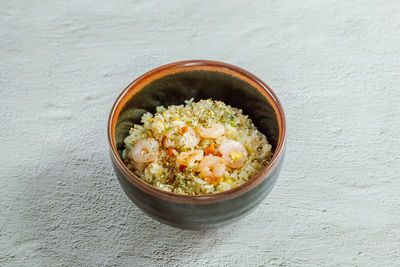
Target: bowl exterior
(199, 216)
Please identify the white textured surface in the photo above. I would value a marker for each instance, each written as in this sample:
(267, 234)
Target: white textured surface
(334, 64)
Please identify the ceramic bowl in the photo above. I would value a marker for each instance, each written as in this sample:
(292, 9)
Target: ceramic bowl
(171, 84)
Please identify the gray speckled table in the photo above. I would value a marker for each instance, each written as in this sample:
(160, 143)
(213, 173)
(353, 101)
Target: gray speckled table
(334, 64)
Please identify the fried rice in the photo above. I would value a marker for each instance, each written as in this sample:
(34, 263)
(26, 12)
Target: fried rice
(197, 148)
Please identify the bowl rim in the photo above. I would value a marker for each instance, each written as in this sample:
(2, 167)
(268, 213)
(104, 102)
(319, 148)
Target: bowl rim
(206, 198)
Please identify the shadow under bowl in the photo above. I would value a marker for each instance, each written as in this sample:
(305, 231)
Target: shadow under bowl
(172, 84)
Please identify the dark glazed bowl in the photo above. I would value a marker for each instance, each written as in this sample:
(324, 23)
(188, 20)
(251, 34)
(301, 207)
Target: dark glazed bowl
(201, 79)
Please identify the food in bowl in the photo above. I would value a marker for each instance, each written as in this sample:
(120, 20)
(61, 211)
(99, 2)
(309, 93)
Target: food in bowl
(172, 84)
(197, 148)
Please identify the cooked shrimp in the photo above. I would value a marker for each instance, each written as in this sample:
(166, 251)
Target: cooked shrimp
(145, 151)
(214, 131)
(212, 168)
(139, 165)
(185, 158)
(233, 153)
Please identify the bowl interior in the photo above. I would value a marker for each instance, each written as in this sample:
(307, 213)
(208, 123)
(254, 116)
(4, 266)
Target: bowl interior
(175, 88)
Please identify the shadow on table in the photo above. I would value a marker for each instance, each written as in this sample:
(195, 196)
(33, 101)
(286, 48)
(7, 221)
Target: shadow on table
(77, 213)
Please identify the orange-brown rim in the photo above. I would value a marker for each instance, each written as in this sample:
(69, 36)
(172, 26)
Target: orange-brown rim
(190, 65)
